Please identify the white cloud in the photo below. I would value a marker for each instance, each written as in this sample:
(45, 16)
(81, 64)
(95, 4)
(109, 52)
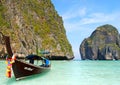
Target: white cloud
(73, 13)
(99, 18)
(73, 24)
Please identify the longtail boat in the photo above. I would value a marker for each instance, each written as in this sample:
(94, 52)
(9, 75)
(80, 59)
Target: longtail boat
(21, 68)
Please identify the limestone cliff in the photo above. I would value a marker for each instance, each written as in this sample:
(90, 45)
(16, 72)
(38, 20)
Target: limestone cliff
(34, 25)
(103, 44)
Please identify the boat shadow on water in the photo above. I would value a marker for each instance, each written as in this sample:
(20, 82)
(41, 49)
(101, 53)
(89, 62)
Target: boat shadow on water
(12, 80)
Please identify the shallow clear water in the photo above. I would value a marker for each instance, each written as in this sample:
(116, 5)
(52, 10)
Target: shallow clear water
(70, 73)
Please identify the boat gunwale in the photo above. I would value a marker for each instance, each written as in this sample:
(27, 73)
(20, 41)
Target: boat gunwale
(33, 64)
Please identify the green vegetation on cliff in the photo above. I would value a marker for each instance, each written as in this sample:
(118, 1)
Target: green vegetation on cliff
(103, 44)
(32, 23)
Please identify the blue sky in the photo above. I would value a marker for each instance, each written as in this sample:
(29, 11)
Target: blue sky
(82, 17)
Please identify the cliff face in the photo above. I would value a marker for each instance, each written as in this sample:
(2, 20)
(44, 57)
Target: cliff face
(103, 44)
(34, 25)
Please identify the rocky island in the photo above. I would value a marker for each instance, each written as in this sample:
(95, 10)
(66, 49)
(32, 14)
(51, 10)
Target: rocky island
(34, 25)
(103, 44)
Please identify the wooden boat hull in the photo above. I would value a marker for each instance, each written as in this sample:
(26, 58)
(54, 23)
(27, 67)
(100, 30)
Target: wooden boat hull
(23, 69)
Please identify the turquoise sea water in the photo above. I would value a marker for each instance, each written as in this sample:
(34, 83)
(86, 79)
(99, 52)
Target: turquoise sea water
(70, 73)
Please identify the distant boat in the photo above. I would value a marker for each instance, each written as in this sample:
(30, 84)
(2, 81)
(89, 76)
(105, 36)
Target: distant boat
(22, 69)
